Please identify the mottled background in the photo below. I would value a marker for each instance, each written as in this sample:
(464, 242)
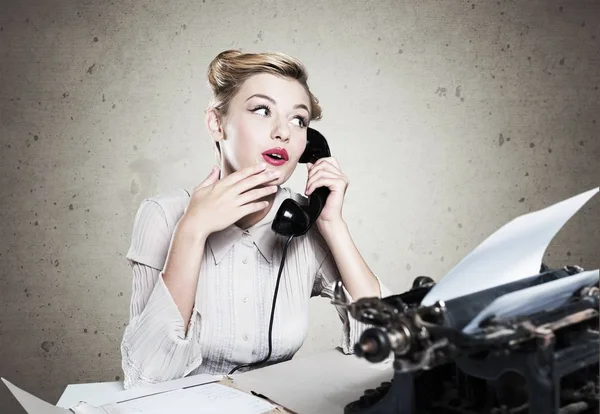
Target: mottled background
(449, 117)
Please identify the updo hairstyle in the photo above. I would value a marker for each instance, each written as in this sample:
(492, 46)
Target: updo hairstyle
(229, 69)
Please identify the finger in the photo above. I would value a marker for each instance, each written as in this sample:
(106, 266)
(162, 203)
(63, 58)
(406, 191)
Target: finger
(252, 208)
(313, 181)
(315, 175)
(324, 166)
(334, 162)
(255, 194)
(323, 171)
(331, 183)
(244, 173)
(212, 177)
(328, 162)
(256, 180)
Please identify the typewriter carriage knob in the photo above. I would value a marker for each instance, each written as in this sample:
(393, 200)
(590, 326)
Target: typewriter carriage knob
(422, 281)
(375, 344)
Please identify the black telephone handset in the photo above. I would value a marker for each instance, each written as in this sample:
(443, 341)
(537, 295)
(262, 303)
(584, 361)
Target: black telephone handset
(292, 219)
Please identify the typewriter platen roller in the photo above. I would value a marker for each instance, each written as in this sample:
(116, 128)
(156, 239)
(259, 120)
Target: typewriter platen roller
(544, 361)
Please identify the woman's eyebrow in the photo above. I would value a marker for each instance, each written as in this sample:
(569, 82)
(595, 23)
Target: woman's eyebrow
(268, 98)
(260, 95)
(301, 106)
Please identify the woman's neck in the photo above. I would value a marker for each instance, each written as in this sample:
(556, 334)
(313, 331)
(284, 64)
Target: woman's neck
(251, 219)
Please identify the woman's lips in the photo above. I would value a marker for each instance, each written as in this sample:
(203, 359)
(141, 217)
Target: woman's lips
(276, 156)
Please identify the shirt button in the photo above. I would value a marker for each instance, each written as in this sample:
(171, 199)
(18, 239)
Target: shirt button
(245, 299)
(244, 261)
(246, 337)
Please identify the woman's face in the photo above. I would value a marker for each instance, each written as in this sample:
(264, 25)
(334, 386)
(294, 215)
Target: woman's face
(266, 121)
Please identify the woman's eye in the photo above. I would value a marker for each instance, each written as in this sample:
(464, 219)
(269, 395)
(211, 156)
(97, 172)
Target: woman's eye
(300, 121)
(261, 110)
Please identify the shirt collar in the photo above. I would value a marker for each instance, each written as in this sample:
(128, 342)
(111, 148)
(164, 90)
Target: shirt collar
(260, 234)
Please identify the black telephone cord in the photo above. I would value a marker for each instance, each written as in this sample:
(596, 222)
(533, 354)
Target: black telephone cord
(265, 359)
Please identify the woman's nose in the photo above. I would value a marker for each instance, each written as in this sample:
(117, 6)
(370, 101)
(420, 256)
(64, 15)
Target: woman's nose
(281, 131)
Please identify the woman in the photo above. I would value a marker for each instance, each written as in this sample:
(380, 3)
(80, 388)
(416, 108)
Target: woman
(205, 264)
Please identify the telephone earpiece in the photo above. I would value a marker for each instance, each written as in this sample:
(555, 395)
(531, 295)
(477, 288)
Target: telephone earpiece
(292, 219)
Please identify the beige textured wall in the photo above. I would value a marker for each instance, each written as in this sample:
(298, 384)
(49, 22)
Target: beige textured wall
(449, 117)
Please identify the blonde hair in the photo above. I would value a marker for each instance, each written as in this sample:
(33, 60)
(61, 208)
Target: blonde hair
(229, 69)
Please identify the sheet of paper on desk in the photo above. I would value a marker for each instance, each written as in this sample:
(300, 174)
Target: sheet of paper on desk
(204, 399)
(513, 252)
(100, 399)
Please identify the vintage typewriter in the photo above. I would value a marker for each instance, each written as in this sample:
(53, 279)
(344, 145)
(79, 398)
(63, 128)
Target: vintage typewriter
(530, 345)
(545, 362)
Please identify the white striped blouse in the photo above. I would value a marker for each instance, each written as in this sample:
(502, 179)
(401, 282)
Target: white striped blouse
(230, 319)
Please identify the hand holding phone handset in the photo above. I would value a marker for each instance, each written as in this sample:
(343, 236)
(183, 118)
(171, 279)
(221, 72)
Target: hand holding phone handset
(293, 220)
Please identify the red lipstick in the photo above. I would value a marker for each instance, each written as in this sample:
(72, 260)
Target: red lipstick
(276, 156)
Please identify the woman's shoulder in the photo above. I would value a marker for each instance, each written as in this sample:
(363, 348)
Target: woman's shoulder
(170, 204)
(171, 199)
(154, 225)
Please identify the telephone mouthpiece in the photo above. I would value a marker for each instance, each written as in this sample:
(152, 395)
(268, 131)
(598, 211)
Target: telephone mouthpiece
(291, 220)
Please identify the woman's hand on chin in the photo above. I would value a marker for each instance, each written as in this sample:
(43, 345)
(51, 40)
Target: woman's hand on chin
(217, 203)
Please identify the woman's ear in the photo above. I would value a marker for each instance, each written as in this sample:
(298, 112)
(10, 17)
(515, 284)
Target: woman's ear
(214, 125)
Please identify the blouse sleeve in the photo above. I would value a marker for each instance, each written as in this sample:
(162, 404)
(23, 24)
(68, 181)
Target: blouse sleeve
(155, 345)
(326, 277)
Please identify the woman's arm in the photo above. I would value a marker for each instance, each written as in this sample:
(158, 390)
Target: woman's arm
(182, 268)
(356, 275)
(157, 344)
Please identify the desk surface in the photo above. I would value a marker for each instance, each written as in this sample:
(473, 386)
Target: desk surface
(320, 383)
